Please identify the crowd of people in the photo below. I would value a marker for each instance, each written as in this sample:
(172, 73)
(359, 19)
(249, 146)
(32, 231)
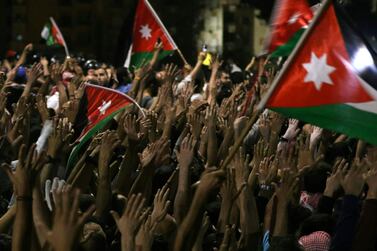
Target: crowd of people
(154, 179)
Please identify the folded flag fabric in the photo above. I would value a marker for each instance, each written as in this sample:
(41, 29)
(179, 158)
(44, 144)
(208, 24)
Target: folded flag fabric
(289, 20)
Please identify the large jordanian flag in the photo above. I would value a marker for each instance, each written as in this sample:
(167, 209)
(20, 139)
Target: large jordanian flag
(332, 81)
(289, 20)
(101, 105)
(147, 29)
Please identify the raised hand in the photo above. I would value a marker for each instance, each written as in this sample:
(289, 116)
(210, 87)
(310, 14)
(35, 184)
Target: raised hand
(67, 222)
(315, 137)
(109, 142)
(130, 221)
(145, 235)
(172, 72)
(42, 107)
(260, 152)
(195, 122)
(130, 127)
(186, 151)
(333, 182)
(160, 205)
(264, 127)
(353, 181)
(211, 180)
(371, 179)
(29, 163)
(60, 137)
(292, 130)
(35, 72)
(268, 170)
(305, 157)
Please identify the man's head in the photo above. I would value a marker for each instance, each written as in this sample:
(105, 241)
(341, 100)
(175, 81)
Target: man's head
(102, 77)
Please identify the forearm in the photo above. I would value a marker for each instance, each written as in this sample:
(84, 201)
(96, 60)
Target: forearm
(135, 87)
(212, 87)
(281, 223)
(167, 128)
(143, 183)
(186, 236)
(196, 69)
(224, 147)
(128, 243)
(367, 227)
(154, 59)
(123, 181)
(27, 89)
(182, 198)
(7, 219)
(225, 210)
(345, 227)
(22, 226)
(103, 198)
(212, 144)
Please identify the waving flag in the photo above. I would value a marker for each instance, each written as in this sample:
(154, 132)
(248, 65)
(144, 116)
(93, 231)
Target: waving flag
(101, 106)
(53, 36)
(332, 80)
(289, 20)
(147, 29)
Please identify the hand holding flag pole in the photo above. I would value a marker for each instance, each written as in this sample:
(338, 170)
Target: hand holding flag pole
(274, 85)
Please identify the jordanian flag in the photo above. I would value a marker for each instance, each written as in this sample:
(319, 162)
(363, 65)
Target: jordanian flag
(289, 20)
(52, 34)
(102, 104)
(147, 29)
(332, 82)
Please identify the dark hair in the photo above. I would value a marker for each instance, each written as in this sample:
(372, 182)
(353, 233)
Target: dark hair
(317, 222)
(315, 179)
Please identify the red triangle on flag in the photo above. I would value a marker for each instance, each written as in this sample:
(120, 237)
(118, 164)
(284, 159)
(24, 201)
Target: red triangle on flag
(148, 28)
(102, 102)
(321, 73)
(289, 16)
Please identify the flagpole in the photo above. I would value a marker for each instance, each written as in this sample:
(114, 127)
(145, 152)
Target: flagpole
(182, 57)
(273, 86)
(291, 57)
(165, 30)
(61, 34)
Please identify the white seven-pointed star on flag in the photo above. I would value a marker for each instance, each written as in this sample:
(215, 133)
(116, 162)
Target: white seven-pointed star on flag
(318, 71)
(105, 105)
(293, 19)
(145, 31)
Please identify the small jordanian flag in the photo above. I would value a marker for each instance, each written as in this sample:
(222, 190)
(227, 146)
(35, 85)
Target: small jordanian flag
(332, 81)
(147, 29)
(52, 34)
(289, 20)
(102, 105)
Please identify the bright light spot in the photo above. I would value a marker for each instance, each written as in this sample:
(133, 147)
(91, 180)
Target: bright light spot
(362, 59)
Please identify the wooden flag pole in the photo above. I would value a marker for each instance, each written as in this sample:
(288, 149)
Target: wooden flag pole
(262, 104)
(182, 57)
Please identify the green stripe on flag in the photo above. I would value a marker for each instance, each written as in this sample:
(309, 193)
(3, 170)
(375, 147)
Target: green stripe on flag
(73, 157)
(341, 118)
(286, 49)
(137, 59)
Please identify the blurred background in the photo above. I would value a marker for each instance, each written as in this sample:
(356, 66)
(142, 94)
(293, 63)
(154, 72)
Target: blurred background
(95, 28)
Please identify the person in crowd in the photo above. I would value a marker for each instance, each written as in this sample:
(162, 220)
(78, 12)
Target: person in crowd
(153, 178)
